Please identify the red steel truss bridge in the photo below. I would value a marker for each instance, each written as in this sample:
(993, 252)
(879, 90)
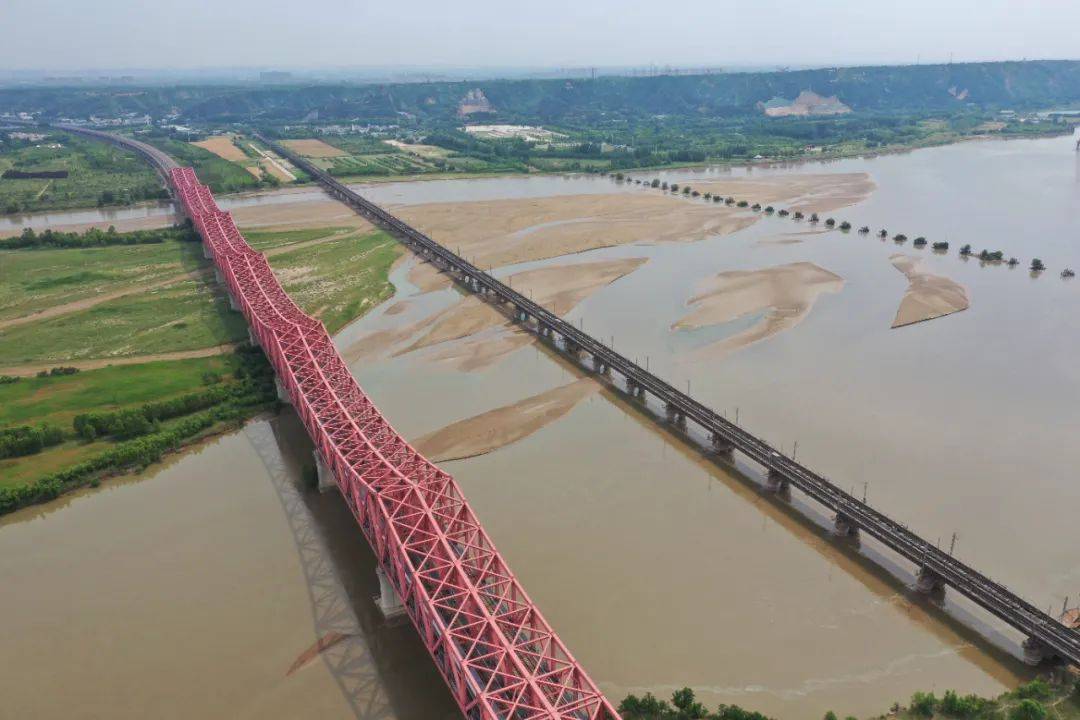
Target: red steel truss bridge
(498, 655)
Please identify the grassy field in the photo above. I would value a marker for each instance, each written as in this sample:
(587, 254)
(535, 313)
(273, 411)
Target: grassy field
(186, 315)
(57, 400)
(99, 175)
(33, 280)
(140, 301)
(340, 279)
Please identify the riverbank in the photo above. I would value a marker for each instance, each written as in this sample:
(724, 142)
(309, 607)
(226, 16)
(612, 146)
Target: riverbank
(1035, 700)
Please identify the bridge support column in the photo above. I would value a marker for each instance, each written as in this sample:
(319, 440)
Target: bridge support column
(253, 341)
(1036, 652)
(387, 600)
(282, 394)
(674, 417)
(929, 582)
(217, 276)
(206, 252)
(776, 483)
(843, 527)
(233, 305)
(720, 446)
(324, 474)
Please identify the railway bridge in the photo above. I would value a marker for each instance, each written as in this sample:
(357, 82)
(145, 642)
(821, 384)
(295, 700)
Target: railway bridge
(1047, 639)
(497, 653)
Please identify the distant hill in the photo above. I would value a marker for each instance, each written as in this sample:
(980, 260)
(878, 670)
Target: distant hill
(1018, 85)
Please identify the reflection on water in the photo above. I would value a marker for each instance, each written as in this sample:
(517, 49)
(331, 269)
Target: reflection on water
(659, 569)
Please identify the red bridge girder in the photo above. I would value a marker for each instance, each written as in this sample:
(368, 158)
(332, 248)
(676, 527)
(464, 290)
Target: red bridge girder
(498, 655)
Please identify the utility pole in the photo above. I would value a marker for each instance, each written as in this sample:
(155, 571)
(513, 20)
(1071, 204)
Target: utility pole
(952, 545)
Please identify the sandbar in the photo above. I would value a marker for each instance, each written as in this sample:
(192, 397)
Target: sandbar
(782, 295)
(928, 296)
(502, 426)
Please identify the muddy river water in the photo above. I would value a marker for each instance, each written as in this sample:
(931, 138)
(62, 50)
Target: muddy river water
(202, 589)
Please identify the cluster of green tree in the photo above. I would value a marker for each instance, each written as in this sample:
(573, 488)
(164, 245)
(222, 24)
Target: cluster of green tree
(133, 422)
(1024, 703)
(60, 370)
(1034, 84)
(129, 197)
(137, 453)
(34, 174)
(683, 706)
(9, 379)
(28, 439)
(95, 237)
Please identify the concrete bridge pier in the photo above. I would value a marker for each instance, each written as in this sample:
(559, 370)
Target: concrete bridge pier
(217, 276)
(776, 483)
(844, 527)
(233, 305)
(929, 582)
(720, 446)
(675, 417)
(324, 474)
(1036, 652)
(387, 600)
(206, 252)
(282, 393)
(253, 340)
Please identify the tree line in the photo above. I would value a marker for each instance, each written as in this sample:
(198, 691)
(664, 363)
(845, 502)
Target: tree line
(28, 439)
(1027, 702)
(96, 237)
(143, 439)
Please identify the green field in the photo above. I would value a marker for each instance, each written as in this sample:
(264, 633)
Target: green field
(32, 280)
(186, 315)
(340, 279)
(99, 174)
(57, 400)
(335, 273)
(221, 175)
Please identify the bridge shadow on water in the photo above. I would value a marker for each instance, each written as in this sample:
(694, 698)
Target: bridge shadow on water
(383, 670)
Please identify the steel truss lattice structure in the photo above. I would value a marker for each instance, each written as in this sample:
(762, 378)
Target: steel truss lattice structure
(498, 655)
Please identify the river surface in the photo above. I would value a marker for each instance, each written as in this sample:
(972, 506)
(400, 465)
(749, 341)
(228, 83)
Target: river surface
(193, 591)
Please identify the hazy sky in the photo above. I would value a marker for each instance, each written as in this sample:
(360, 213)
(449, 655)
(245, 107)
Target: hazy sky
(76, 34)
